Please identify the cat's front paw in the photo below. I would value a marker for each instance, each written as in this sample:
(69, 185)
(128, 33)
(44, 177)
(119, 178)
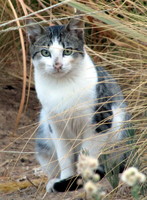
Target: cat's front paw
(50, 185)
(58, 185)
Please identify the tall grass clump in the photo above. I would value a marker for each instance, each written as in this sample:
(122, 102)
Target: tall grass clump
(116, 38)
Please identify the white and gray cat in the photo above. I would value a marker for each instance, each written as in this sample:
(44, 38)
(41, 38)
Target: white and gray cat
(82, 105)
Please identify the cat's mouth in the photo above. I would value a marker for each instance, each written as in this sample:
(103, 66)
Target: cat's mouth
(59, 72)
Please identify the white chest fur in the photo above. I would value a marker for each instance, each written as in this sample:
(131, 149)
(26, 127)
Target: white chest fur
(58, 95)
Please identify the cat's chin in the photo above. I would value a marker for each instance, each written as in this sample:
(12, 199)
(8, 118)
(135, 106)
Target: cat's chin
(59, 74)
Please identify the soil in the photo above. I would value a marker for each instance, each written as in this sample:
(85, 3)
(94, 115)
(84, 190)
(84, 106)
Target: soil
(17, 157)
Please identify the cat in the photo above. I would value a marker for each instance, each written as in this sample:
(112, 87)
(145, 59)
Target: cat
(82, 105)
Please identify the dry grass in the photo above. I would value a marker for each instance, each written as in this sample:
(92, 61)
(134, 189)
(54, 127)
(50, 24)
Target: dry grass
(115, 34)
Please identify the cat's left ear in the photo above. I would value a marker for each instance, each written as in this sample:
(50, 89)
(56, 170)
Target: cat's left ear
(76, 25)
(33, 30)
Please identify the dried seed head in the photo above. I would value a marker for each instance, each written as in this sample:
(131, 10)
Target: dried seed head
(96, 177)
(87, 173)
(86, 162)
(132, 176)
(93, 163)
(141, 177)
(90, 188)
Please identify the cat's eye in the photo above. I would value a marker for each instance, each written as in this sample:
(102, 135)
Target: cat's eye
(45, 53)
(67, 51)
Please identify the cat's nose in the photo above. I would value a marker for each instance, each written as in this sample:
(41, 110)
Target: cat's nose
(58, 66)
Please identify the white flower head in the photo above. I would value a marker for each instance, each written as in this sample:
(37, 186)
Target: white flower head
(132, 176)
(80, 167)
(93, 163)
(141, 177)
(96, 177)
(86, 162)
(90, 188)
(87, 173)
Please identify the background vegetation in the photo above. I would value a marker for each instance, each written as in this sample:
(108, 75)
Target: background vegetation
(116, 38)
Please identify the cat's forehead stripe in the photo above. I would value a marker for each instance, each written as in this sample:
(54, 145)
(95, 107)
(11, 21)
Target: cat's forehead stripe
(55, 30)
(56, 45)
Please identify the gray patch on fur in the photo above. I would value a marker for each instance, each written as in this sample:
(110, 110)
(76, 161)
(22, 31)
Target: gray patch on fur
(108, 94)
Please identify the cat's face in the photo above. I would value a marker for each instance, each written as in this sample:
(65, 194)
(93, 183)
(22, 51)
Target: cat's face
(56, 50)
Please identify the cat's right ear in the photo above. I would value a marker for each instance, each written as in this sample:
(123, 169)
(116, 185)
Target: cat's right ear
(76, 26)
(33, 30)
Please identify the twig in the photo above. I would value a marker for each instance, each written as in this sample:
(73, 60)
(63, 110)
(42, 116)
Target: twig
(31, 182)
